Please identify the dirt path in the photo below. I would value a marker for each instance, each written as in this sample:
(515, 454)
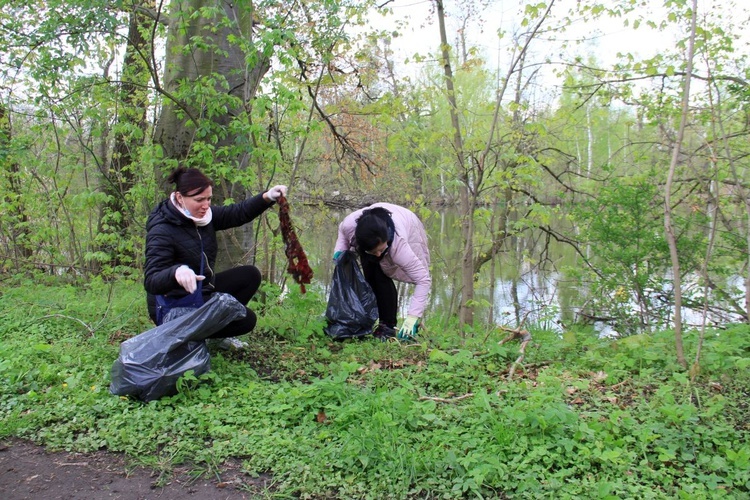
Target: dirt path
(27, 471)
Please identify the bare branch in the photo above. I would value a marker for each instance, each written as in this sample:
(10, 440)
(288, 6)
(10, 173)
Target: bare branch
(446, 400)
(87, 327)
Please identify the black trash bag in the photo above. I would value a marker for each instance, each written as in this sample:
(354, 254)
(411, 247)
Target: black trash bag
(150, 364)
(352, 309)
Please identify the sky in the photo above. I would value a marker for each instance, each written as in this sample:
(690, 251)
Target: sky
(421, 34)
(607, 36)
(417, 23)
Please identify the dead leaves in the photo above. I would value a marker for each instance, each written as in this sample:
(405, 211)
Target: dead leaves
(388, 364)
(371, 367)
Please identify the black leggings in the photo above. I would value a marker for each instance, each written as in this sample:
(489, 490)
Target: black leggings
(241, 283)
(386, 294)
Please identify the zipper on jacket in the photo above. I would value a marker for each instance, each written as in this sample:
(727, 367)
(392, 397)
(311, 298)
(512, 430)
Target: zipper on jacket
(205, 258)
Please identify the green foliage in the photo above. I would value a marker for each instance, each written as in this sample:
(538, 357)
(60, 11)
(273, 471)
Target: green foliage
(623, 230)
(307, 320)
(583, 417)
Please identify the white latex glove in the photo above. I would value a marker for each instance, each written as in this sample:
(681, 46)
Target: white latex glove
(187, 278)
(274, 193)
(409, 328)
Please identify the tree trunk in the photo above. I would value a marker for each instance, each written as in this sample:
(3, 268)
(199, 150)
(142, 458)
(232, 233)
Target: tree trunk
(15, 223)
(668, 196)
(214, 53)
(118, 174)
(466, 309)
(135, 77)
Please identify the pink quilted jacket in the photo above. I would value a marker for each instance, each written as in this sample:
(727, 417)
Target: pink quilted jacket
(408, 259)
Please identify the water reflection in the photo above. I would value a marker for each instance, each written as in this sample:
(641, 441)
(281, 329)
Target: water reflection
(510, 289)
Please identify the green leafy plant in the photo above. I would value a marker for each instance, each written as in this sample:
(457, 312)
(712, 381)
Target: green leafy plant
(582, 417)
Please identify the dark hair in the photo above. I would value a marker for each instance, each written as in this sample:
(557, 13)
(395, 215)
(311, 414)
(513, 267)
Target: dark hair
(372, 228)
(189, 181)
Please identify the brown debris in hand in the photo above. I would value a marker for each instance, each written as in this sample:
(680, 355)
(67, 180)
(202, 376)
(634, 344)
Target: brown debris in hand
(298, 266)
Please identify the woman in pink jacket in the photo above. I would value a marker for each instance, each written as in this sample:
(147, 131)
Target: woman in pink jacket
(392, 244)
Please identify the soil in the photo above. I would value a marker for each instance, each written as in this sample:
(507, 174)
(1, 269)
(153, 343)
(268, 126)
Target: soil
(28, 471)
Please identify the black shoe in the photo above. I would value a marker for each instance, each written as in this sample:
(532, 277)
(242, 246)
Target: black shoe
(384, 333)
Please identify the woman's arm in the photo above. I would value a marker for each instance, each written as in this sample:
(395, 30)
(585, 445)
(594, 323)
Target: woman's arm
(414, 270)
(345, 239)
(237, 214)
(160, 263)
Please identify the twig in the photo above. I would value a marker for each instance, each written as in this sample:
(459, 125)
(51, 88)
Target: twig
(619, 384)
(518, 360)
(524, 336)
(505, 328)
(446, 400)
(515, 333)
(87, 327)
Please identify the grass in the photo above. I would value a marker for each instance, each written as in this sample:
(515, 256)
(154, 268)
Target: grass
(582, 417)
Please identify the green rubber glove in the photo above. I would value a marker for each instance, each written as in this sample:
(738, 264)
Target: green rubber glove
(408, 330)
(337, 254)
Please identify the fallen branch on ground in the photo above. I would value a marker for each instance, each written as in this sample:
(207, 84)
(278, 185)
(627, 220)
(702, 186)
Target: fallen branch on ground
(446, 400)
(87, 327)
(524, 336)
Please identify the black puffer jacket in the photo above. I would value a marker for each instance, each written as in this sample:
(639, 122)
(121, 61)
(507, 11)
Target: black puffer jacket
(173, 240)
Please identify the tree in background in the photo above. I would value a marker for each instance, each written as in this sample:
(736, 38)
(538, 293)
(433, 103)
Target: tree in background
(119, 167)
(15, 224)
(674, 97)
(473, 166)
(51, 52)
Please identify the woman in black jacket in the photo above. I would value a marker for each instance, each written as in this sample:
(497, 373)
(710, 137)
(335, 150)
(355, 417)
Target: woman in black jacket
(180, 226)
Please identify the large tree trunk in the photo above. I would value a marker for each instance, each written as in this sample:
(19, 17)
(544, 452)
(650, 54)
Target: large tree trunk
(187, 60)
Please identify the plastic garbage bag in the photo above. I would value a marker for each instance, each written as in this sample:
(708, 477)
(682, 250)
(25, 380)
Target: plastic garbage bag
(352, 309)
(150, 363)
